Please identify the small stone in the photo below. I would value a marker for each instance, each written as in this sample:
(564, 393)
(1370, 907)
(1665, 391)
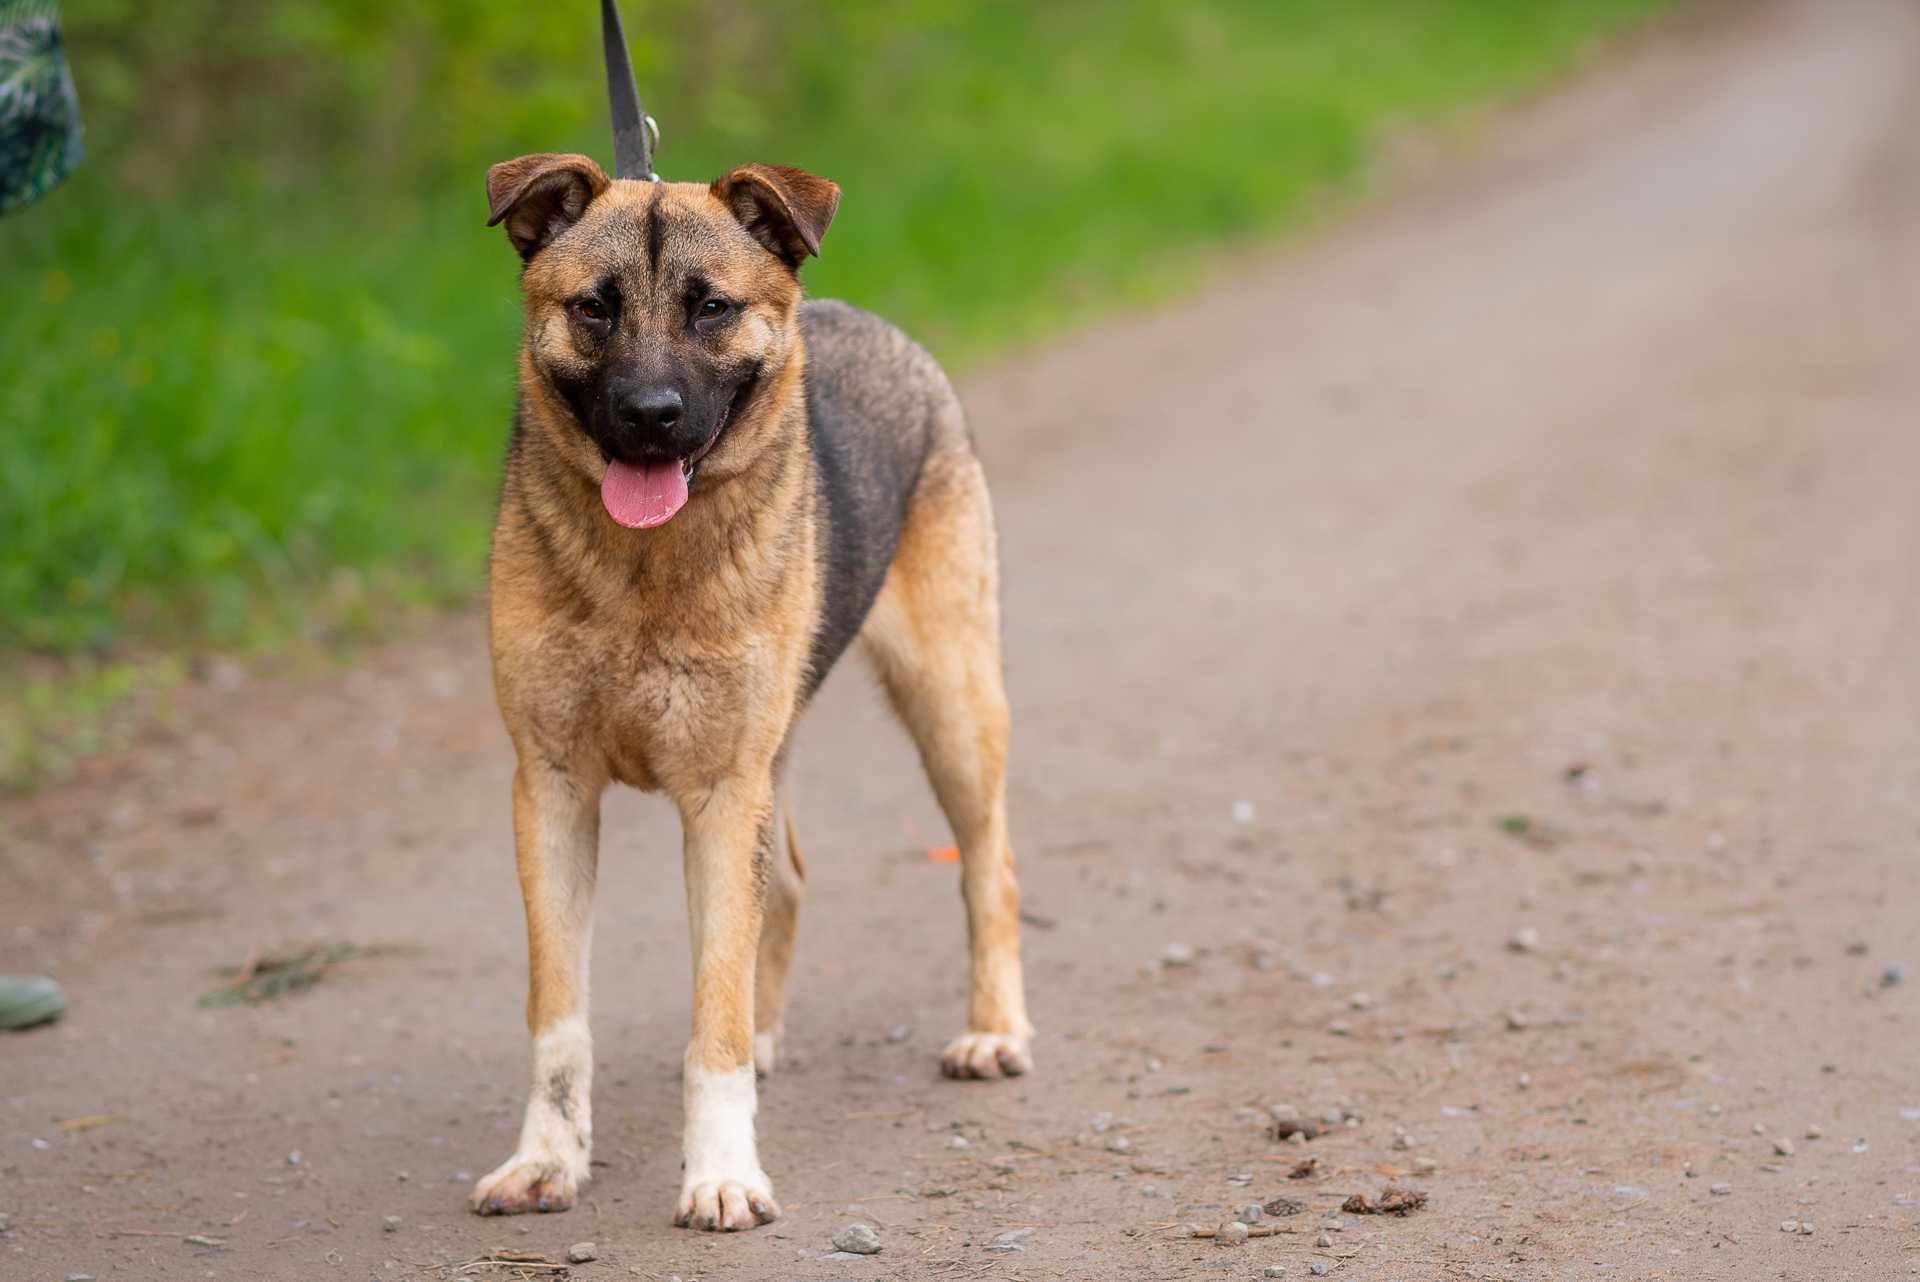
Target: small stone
(959, 1141)
(1011, 1240)
(1517, 1021)
(79, 1277)
(1813, 1131)
(1232, 1233)
(6, 1222)
(1248, 1214)
(391, 1224)
(1338, 1028)
(1324, 1240)
(1177, 955)
(1806, 1228)
(201, 1239)
(1119, 1144)
(1274, 1271)
(1783, 1146)
(899, 1033)
(1242, 812)
(1283, 1112)
(857, 1239)
(1713, 1110)
(294, 1158)
(1425, 1166)
(1525, 940)
(1892, 975)
(582, 1253)
(40, 1144)
(1524, 1081)
(1361, 1001)
(1789, 1226)
(1401, 1140)
(1759, 1128)
(1318, 1268)
(1721, 1190)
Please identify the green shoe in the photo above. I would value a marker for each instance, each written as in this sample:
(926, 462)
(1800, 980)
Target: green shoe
(26, 1000)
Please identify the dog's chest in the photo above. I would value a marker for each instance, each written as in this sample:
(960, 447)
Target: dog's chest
(660, 712)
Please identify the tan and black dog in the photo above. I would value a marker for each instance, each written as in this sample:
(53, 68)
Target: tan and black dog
(713, 489)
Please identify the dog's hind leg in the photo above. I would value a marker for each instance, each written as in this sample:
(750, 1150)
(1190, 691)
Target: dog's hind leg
(934, 636)
(786, 885)
(556, 830)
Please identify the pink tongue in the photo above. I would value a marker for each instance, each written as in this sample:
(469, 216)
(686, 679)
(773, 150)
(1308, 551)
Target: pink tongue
(641, 497)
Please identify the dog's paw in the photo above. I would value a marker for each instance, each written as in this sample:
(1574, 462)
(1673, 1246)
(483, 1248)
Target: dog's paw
(526, 1184)
(727, 1206)
(987, 1055)
(766, 1052)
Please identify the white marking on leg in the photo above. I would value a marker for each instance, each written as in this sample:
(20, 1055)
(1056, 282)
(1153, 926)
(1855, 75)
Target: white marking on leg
(719, 1139)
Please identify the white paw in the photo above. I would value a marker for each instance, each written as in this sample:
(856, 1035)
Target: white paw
(987, 1055)
(522, 1184)
(766, 1052)
(727, 1206)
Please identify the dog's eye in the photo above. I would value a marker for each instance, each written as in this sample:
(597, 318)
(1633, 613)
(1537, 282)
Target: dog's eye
(714, 307)
(591, 310)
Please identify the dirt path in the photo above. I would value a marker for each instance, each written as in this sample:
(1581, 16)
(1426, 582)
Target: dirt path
(1579, 487)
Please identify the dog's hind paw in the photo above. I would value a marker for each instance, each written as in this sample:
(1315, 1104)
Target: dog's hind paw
(525, 1184)
(987, 1055)
(727, 1206)
(766, 1052)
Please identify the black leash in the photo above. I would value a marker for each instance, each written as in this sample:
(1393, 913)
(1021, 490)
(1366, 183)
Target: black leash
(635, 134)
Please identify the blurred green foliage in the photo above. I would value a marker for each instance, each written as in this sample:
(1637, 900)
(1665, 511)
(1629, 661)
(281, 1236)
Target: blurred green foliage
(255, 359)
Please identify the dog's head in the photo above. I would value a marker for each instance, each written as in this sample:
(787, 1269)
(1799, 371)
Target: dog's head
(656, 314)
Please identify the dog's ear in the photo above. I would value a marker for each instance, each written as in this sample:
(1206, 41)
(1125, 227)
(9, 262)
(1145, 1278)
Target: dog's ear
(787, 210)
(538, 197)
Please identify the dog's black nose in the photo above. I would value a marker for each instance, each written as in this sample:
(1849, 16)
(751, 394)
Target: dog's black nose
(650, 411)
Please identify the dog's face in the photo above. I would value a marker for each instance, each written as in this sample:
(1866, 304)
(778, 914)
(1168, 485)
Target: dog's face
(656, 313)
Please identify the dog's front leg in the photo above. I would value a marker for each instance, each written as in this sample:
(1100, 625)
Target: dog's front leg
(729, 835)
(556, 830)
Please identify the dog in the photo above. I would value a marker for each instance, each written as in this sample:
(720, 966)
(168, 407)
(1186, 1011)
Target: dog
(713, 489)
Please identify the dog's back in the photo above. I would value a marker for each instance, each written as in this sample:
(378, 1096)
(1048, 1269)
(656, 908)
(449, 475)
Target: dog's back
(878, 406)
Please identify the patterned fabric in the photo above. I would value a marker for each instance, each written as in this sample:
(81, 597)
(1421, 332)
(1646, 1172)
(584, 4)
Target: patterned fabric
(39, 112)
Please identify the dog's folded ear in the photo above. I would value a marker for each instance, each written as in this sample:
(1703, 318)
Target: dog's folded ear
(787, 210)
(538, 197)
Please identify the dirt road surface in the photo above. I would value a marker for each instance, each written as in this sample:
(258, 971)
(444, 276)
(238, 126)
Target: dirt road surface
(1575, 490)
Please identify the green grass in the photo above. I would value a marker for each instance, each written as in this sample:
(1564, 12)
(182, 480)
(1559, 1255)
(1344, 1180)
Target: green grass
(262, 396)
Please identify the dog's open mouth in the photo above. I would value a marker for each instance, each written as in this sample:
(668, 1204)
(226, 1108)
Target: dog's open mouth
(646, 494)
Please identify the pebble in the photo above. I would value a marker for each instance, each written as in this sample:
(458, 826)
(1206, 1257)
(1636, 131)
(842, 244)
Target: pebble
(1813, 1131)
(1425, 1166)
(1324, 1240)
(1283, 1112)
(1361, 1001)
(584, 1253)
(1338, 1028)
(1243, 812)
(1274, 1271)
(6, 1222)
(1011, 1240)
(1177, 955)
(40, 1144)
(860, 1239)
(1803, 1228)
(959, 1141)
(1401, 1140)
(1516, 1021)
(391, 1224)
(1783, 1146)
(1249, 1214)
(294, 1158)
(1119, 1144)
(1759, 1129)
(1232, 1233)
(1894, 974)
(1524, 1081)
(1721, 1190)
(899, 1033)
(1525, 940)
(1318, 1268)
(79, 1277)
